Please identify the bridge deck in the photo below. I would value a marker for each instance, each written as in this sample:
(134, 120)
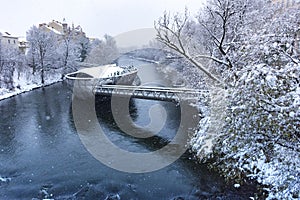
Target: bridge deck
(150, 92)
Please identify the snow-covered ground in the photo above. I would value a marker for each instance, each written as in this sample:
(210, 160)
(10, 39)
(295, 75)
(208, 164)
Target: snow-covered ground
(25, 83)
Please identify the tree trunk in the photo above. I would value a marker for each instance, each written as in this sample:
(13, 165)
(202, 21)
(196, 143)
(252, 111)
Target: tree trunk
(42, 77)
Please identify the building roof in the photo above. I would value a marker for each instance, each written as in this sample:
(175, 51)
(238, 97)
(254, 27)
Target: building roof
(4, 33)
(60, 28)
(52, 29)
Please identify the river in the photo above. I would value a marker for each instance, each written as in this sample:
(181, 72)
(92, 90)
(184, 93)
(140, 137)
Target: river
(42, 156)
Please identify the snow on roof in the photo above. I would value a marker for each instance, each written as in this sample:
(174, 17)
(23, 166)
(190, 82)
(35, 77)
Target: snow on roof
(52, 29)
(6, 34)
(56, 22)
(101, 71)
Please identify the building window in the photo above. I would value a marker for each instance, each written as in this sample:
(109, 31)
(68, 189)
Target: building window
(14, 41)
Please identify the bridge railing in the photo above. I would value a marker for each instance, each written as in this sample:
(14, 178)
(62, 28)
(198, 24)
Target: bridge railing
(150, 92)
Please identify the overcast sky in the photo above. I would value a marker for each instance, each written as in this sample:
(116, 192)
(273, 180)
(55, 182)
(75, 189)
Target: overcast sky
(96, 17)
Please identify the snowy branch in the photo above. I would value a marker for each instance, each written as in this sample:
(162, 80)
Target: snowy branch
(171, 35)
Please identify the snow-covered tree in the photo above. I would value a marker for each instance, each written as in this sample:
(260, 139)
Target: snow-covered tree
(84, 46)
(171, 32)
(213, 40)
(261, 133)
(11, 61)
(253, 47)
(69, 52)
(42, 51)
(104, 52)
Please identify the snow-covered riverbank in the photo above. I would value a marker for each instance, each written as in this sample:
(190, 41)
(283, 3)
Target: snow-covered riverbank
(25, 84)
(277, 173)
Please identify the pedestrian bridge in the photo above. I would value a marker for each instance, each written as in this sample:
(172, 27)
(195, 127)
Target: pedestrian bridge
(150, 92)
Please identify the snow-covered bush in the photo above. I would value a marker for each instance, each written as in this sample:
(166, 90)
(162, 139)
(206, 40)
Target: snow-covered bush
(254, 49)
(262, 129)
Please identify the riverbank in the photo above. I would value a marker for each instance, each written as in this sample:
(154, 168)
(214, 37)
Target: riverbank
(271, 167)
(26, 85)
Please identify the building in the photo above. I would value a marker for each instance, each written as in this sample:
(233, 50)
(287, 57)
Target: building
(61, 28)
(7, 39)
(23, 44)
(54, 26)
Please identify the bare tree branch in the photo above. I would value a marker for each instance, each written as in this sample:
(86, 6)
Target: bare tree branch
(165, 30)
(212, 58)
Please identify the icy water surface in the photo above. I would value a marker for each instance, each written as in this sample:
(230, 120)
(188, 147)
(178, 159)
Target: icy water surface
(42, 157)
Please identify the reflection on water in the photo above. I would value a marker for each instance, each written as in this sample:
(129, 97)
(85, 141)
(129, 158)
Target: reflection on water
(139, 114)
(41, 155)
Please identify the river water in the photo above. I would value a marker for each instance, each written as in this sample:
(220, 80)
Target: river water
(42, 156)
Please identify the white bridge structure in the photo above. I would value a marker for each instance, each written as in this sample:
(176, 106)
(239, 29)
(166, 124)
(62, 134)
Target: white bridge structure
(150, 92)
